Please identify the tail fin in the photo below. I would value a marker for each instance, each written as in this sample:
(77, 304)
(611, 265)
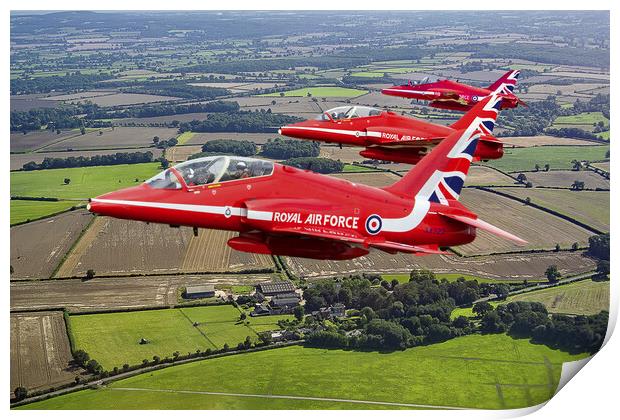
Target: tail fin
(483, 115)
(440, 175)
(505, 84)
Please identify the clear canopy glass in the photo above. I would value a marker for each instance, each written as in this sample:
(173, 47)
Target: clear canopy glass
(210, 170)
(347, 112)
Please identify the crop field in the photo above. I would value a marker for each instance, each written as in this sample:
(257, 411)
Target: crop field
(85, 182)
(602, 165)
(25, 210)
(541, 230)
(75, 97)
(491, 371)
(565, 179)
(38, 247)
(40, 352)
(373, 179)
(512, 267)
(19, 159)
(589, 207)
(558, 157)
(105, 293)
(114, 246)
(36, 139)
(113, 339)
(209, 252)
(181, 153)
(322, 92)
(579, 298)
(346, 154)
(484, 175)
(544, 141)
(119, 137)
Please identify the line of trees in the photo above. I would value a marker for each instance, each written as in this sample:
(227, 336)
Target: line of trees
(70, 81)
(156, 110)
(178, 88)
(97, 160)
(242, 122)
(229, 147)
(286, 148)
(315, 164)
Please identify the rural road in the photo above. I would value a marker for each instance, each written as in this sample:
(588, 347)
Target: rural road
(291, 397)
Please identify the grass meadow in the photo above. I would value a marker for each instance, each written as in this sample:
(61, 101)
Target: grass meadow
(477, 371)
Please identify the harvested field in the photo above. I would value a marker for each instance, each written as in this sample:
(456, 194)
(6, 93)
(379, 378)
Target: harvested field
(373, 179)
(544, 141)
(40, 352)
(602, 165)
(76, 97)
(209, 252)
(541, 230)
(565, 179)
(119, 137)
(181, 153)
(512, 267)
(27, 102)
(346, 154)
(38, 247)
(113, 293)
(482, 175)
(18, 160)
(377, 99)
(114, 246)
(165, 118)
(129, 99)
(589, 207)
(580, 298)
(36, 139)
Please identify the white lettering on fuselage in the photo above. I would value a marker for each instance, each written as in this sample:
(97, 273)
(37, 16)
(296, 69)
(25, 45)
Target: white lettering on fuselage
(317, 219)
(394, 137)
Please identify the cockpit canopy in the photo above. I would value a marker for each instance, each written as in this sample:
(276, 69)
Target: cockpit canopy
(210, 170)
(347, 112)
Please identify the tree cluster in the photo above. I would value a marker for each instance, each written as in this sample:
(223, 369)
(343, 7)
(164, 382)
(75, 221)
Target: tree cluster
(69, 82)
(316, 164)
(156, 110)
(97, 160)
(229, 147)
(178, 88)
(288, 149)
(531, 319)
(599, 246)
(241, 122)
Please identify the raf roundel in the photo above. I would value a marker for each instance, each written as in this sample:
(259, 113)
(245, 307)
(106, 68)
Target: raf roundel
(374, 224)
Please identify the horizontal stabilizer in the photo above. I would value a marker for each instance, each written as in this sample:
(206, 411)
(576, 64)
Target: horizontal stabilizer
(389, 246)
(481, 224)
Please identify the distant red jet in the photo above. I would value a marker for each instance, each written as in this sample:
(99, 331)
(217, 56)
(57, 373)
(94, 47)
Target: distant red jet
(446, 94)
(386, 135)
(286, 211)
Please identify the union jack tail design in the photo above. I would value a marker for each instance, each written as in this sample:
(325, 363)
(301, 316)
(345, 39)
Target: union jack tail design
(505, 84)
(440, 175)
(483, 115)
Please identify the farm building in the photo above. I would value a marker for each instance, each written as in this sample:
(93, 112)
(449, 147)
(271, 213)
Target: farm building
(275, 288)
(261, 309)
(198, 292)
(285, 300)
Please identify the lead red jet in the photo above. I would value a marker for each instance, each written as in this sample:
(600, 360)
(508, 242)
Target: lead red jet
(447, 94)
(386, 135)
(286, 211)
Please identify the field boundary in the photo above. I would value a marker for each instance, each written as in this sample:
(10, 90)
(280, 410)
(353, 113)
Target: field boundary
(70, 250)
(47, 216)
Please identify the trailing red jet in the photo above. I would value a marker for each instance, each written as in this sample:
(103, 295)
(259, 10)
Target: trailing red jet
(286, 211)
(386, 135)
(447, 94)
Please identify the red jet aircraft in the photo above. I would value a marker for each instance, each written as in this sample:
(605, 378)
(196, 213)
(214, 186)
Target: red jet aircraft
(386, 135)
(446, 94)
(286, 211)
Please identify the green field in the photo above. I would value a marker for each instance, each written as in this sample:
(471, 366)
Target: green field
(355, 168)
(113, 339)
(185, 137)
(322, 92)
(604, 135)
(559, 157)
(85, 182)
(583, 118)
(490, 371)
(580, 298)
(22, 210)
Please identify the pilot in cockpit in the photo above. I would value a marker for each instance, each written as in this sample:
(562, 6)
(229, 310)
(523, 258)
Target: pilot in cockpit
(242, 171)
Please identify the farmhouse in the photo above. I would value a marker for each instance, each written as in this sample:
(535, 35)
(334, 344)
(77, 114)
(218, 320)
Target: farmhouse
(275, 287)
(198, 292)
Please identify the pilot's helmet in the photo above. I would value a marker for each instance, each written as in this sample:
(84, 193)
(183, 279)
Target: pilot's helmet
(241, 166)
